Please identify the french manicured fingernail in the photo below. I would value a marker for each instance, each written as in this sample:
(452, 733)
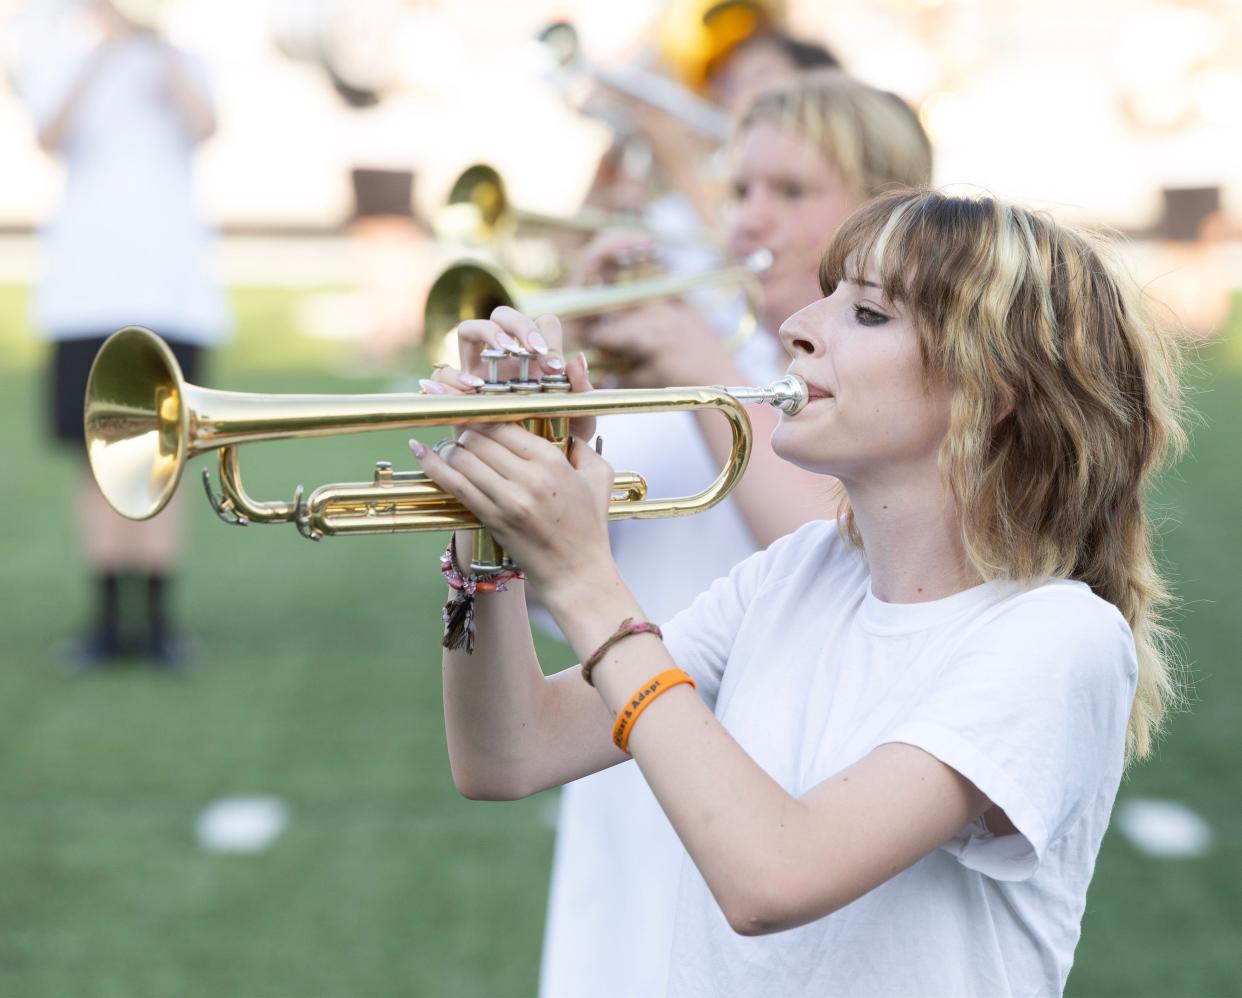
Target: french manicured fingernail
(585, 367)
(419, 449)
(538, 342)
(473, 380)
(431, 387)
(509, 343)
(555, 363)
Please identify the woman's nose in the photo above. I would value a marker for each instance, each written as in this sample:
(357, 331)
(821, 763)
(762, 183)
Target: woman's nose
(800, 335)
(754, 216)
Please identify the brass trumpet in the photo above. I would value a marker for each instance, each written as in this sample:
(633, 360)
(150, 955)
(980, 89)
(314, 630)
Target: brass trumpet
(472, 288)
(144, 422)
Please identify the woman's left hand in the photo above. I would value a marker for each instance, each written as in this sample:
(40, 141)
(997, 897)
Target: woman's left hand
(548, 512)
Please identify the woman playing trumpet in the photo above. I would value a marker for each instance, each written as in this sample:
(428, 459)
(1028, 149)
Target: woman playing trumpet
(804, 154)
(890, 743)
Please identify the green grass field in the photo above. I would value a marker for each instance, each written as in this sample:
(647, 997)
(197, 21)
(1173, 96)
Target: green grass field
(319, 683)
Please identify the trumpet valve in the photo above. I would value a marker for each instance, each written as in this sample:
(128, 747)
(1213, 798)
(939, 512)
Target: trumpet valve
(554, 383)
(523, 382)
(492, 383)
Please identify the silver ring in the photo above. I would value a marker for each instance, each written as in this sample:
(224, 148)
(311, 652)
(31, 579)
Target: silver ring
(441, 445)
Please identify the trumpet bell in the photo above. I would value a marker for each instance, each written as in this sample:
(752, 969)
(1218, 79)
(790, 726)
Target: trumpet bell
(137, 423)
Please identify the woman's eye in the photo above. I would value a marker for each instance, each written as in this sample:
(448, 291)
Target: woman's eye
(869, 316)
(791, 191)
(739, 190)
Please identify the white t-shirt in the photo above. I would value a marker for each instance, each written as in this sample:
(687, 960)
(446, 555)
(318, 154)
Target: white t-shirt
(617, 859)
(1026, 693)
(127, 246)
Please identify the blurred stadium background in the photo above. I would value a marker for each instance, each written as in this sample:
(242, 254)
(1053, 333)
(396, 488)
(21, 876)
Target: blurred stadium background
(317, 690)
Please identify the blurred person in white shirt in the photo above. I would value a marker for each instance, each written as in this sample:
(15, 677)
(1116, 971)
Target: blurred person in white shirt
(126, 247)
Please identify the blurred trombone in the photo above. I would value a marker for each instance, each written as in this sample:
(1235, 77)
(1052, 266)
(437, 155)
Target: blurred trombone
(473, 288)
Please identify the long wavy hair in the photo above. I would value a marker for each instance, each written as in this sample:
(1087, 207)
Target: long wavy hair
(1066, 400)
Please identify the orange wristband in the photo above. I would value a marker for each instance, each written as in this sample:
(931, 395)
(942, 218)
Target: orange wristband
(628, 714)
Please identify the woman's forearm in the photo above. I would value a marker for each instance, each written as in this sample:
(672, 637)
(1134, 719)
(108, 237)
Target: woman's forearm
(512, 731)
(726, 810)
(771, 860)
(492, 698)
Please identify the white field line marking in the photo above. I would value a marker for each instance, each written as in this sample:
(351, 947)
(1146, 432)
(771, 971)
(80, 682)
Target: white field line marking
(1164, 828)
(241, 824)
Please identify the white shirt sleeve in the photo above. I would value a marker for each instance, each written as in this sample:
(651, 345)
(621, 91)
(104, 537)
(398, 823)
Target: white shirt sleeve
(702, 636)
(699, 638)
(1032, 708)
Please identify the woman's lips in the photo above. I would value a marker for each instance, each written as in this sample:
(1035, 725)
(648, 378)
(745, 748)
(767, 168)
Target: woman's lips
(814, 393)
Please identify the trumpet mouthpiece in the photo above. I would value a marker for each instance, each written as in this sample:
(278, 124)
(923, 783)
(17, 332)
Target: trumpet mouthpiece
(760, 261)
(788, 394)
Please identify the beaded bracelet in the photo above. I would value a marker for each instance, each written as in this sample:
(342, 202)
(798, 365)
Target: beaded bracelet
(628, 626)
(641, 699)
(458, 613)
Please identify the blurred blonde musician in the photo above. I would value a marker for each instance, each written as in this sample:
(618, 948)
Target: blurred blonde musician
(803, 157)
(681, 164)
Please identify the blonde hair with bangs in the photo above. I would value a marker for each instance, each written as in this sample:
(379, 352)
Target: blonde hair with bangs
(1066, 400)
(872, 137)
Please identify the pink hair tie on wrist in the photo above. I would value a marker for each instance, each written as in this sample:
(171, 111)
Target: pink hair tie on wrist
(458, 612)
(628, 626)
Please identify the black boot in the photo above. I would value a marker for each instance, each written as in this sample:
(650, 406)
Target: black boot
(102, 643)
(164, 647)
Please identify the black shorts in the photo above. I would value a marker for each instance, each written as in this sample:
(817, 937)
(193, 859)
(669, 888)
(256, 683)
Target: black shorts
(68, 371)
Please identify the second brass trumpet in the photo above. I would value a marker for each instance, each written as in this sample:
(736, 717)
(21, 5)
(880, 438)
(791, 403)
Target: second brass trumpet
(473, 288)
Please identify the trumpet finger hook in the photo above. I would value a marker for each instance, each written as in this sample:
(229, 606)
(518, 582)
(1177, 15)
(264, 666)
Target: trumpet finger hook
(222, 504)
(301, 517)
